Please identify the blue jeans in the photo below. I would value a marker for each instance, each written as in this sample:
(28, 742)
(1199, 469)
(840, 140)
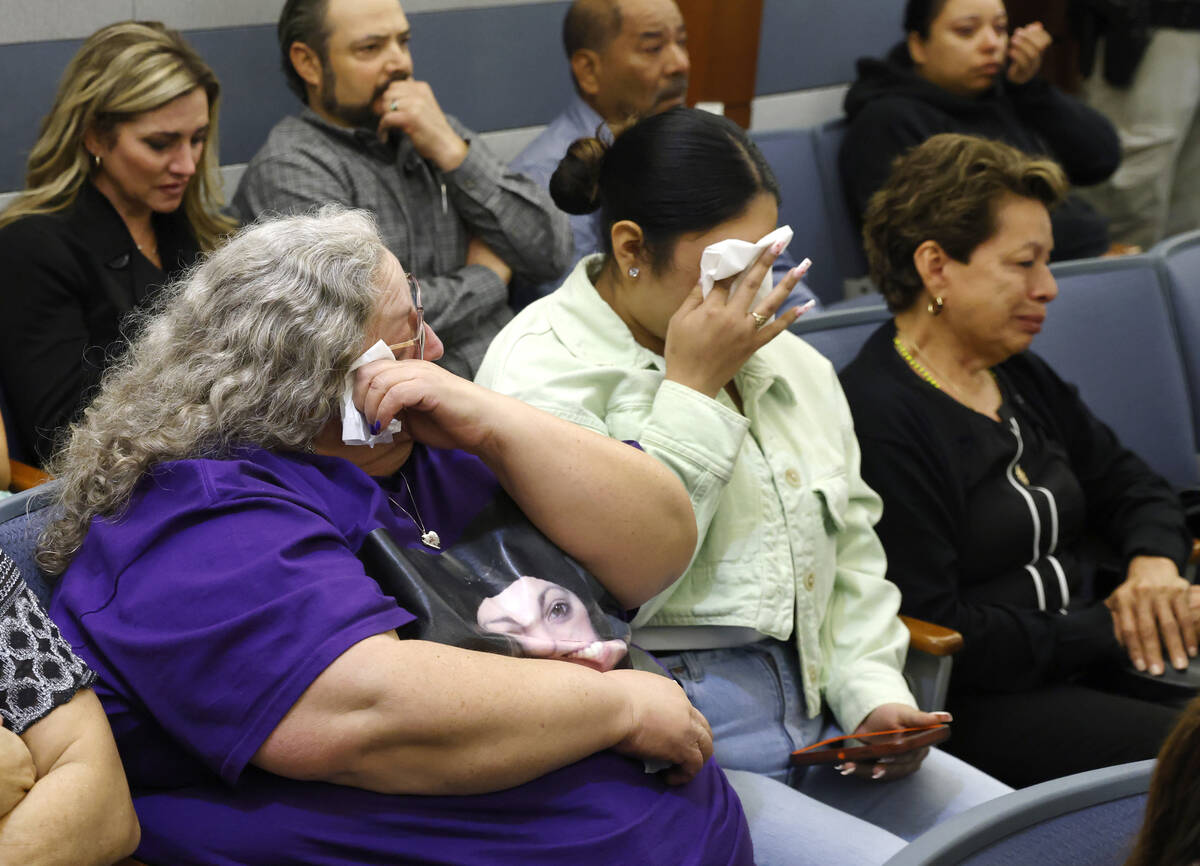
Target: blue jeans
(752, 697)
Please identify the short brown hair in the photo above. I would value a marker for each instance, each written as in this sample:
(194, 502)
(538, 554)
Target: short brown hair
(947, 190)
(590, 25)
(302, 21)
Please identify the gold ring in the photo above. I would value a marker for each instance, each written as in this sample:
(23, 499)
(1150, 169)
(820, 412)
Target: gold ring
(759, 318)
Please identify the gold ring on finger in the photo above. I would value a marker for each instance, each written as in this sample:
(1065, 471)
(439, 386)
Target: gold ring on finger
(759, 318)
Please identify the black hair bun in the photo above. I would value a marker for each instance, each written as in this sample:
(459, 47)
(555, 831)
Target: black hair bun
(575, 185)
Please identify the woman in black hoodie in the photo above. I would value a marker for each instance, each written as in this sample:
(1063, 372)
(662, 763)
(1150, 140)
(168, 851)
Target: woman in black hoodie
(959, 70)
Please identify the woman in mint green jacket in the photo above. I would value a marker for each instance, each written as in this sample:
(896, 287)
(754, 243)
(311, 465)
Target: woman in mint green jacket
(783, 630)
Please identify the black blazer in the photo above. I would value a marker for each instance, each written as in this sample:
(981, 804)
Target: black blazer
(67, 280)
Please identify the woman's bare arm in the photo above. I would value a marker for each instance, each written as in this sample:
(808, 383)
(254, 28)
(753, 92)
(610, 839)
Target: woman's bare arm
(617, 510)
(413, 717)
(79, 811)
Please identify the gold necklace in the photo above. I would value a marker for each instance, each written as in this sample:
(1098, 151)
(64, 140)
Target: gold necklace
(920, 370)
(912, 362)
(925, 374)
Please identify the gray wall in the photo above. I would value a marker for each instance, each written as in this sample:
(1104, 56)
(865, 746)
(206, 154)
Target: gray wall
(497, 65)
(806, 44)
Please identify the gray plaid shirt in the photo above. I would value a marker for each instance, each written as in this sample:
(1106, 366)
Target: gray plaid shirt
(426, 217)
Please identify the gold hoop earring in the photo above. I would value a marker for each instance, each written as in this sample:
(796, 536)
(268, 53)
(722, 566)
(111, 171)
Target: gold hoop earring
(936, 306)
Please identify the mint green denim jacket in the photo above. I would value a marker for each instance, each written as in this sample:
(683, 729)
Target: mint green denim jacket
(785, 520)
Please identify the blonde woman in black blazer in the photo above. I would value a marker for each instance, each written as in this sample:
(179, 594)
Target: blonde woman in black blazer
(121, 195)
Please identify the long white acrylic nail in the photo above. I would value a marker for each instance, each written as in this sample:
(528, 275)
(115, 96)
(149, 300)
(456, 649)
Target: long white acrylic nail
(800, 269)
(805, 307)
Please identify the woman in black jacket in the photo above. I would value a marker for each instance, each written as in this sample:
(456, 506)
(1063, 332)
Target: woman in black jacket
(959, 71)
(121, 195)
(994, 475)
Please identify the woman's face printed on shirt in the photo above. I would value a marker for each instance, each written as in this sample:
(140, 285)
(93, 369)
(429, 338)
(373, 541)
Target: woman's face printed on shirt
(548, 621)
(966, 46)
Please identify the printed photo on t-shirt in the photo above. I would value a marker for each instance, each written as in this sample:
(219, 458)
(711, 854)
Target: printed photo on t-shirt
(503, 587)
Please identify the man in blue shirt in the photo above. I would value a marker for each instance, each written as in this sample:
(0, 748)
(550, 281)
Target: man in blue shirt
(628, 59)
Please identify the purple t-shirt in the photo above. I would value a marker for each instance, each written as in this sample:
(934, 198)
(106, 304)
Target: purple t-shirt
(227, 588)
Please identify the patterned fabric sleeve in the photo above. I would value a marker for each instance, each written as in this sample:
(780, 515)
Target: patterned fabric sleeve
(38, 670)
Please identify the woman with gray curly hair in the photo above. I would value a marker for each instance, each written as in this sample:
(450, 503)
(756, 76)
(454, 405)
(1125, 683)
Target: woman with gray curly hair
(269, 701)
(995, 475)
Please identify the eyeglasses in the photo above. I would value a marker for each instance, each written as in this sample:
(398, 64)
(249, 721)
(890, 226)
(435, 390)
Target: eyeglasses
(419, 339)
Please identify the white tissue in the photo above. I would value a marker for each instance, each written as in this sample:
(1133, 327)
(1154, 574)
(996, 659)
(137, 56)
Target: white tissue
(727, 258)
(355, 429)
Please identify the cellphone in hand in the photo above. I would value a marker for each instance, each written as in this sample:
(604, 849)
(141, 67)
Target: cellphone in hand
(867, 747)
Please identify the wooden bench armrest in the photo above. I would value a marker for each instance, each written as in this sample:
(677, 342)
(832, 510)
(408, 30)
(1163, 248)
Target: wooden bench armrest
(937, 640)
(25, 476)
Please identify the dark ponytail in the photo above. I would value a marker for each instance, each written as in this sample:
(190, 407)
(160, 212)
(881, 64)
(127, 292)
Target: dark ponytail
(673, 173)
(575, 184)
